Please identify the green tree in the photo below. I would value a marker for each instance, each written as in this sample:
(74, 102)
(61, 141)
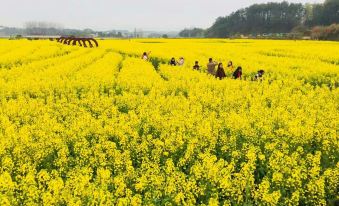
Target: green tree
(192, 33)
(258, 19)
(330, 12)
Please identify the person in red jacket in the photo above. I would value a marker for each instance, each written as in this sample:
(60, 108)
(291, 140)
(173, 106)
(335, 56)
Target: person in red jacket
(237, 73)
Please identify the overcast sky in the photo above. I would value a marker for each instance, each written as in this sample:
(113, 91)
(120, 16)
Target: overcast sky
(169, 15)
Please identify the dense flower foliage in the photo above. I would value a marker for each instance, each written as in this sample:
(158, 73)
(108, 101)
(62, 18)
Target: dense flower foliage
(104, 127)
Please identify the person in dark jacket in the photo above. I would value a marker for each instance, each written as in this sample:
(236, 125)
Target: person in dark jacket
(259, 75)
(173, 62)
(220, 72)
(196, 66)
(237, 73)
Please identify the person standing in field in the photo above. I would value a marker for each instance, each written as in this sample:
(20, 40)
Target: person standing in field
(173, 62)
(211, 66)
(181, 61)
(237, 73)
(259, 75)
(145, 56)
(196, 66)
(230, 66)
(220, 72)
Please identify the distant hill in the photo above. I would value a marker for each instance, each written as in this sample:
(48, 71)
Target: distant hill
(269, 18)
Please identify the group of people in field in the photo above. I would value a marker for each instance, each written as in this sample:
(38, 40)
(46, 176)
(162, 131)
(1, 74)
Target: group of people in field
(211, 68)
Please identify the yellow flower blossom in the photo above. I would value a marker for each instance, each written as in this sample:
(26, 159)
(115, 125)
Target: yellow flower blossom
(101, 126)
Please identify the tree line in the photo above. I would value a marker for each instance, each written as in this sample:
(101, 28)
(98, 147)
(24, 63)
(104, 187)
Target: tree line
(268, 18)
(40, 28)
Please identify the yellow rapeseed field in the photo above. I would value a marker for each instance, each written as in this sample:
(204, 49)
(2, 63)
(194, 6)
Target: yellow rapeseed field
(101, 126)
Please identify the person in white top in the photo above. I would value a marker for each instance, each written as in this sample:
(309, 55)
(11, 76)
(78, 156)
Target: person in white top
(145, 56)
(181, 61)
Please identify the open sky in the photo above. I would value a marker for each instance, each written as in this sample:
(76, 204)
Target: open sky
(161, 15)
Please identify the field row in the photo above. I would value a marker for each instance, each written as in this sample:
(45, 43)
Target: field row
(103, 127)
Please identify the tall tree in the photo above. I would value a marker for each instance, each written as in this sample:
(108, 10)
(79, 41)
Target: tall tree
(331, 12)
(258, 19)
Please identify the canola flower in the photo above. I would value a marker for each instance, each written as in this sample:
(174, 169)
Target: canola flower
(103, 127)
